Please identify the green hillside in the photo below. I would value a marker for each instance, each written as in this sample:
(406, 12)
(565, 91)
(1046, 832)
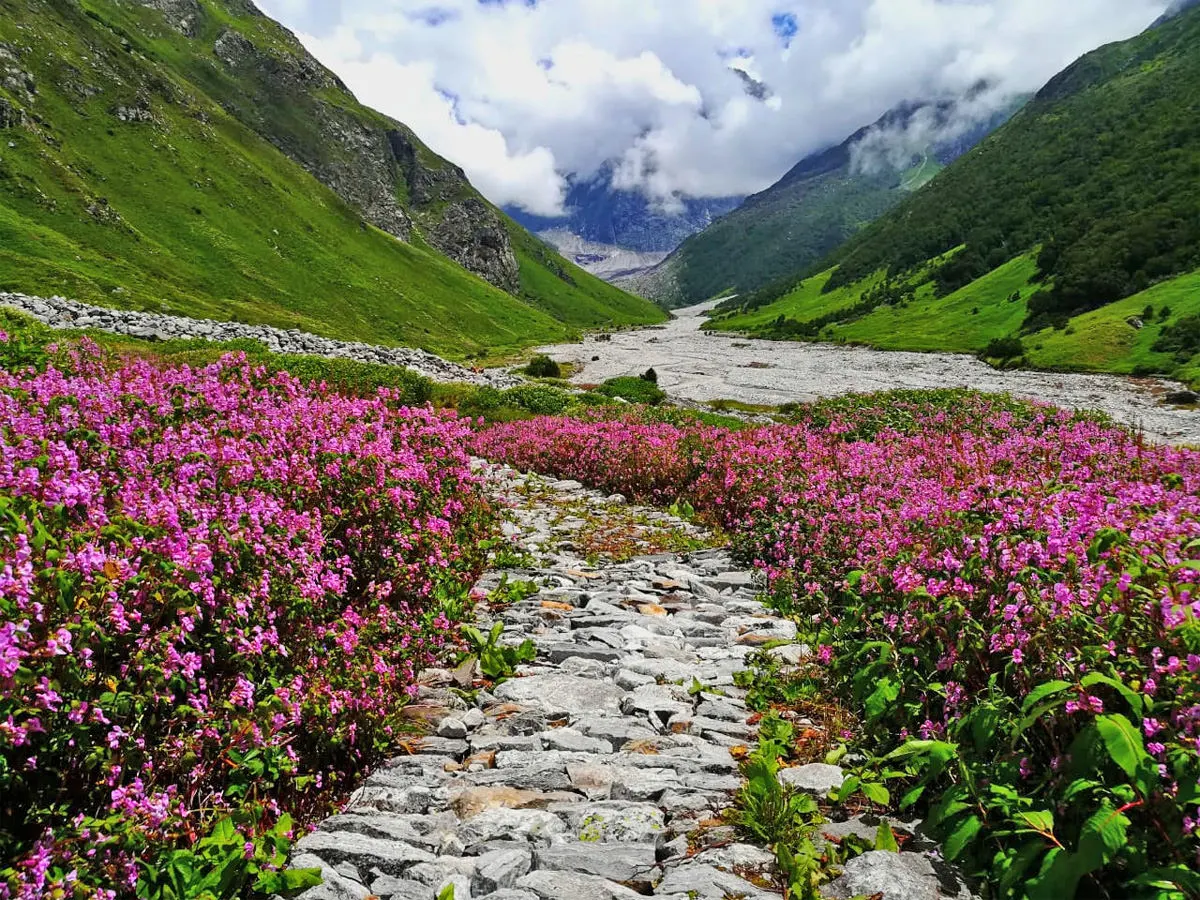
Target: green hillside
(192, 158)
(807, 214)
(1058, 231)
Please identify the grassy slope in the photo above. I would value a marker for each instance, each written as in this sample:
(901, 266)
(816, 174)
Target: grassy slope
(966, 320)
(1105, 163)
(213, 220)
(778, 232)
(1102, 168)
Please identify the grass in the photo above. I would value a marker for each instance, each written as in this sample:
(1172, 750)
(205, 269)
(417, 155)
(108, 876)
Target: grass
(966, 320)
(962, 322)
(196, 214)
(1103, 339)
(804, 302)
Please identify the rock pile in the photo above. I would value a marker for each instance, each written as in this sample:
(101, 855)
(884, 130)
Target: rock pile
(596, 774)
(59, 312)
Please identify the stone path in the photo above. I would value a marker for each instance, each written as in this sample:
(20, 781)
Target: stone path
(596, 774)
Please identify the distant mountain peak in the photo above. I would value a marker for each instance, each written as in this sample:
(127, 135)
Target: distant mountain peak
(1176, 8)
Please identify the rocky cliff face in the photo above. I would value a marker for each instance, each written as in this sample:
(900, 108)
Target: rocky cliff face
(262, 76)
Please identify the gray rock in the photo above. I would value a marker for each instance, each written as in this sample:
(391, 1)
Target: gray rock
(366, 853)
(815, 778)
(387, 887)
(573, 885)
(334, 886)
(533, 825)
(898, 876)
(626, 863)
(565, 694)
(614, 822)
(701, 882)
(500, 869)
(572, 740)
(452, 727)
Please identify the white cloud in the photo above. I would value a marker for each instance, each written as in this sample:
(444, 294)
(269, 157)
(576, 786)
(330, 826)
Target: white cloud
(519, 93)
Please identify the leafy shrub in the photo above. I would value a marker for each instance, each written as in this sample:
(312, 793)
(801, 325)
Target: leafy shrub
(1004, 348)
(542, 366)
(635, 390)
(1181, 338)
(1006, 592)
(218, 586)
(539, 399)
(23, 341)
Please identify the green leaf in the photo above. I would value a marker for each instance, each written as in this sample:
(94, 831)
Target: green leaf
(962, 836)
(1124, 743)
(885, 839)
(1041, 821)
(1019, 864)
(849, 786)
(1136, 704)
(881, 699)
(447, 893)
(836, 755)
(1042, 691)
(876, 793)
(912, 796)
(1101, 839)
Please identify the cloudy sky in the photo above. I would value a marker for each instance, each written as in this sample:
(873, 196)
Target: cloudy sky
(522, 92)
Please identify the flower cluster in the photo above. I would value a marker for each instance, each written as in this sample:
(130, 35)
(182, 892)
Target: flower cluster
(1018, 580)
(216, 589)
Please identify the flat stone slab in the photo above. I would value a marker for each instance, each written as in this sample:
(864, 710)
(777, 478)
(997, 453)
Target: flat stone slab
(815, 778)
(567, 694)
(898, 876)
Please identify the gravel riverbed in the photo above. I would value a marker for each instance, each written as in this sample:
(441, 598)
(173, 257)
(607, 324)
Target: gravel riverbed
(702, 366)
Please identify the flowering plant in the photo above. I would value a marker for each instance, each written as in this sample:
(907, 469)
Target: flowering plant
(216, 588)
(1006, 591)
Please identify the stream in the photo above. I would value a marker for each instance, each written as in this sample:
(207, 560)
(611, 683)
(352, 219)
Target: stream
(704, 366)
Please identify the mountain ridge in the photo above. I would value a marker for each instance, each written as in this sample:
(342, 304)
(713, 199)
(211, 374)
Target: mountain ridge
(1069, 239)
(161, 156)
(812, 209)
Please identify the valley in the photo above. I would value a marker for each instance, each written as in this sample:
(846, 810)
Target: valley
(701, 366)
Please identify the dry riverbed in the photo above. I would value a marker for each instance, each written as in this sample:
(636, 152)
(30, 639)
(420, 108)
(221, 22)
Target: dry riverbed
(700, 366)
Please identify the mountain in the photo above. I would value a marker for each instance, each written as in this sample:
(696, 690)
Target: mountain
(824, 199)
(612, 222)
(189, 156)
(1072, 233)
(1173, 10)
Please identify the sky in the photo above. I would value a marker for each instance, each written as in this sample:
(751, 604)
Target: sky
(523, 93)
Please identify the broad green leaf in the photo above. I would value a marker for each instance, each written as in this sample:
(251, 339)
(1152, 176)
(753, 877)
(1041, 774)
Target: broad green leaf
(1041, 692)
(962, 836)
(1136, 704)
(1124, 743)
(849, 786)
(1019, 864)
(912, 796)
(1057, 879)
(876, 793)
(885, 839)
(836, 755)
(1039, 820)
(881, 699)
(1101, 839)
